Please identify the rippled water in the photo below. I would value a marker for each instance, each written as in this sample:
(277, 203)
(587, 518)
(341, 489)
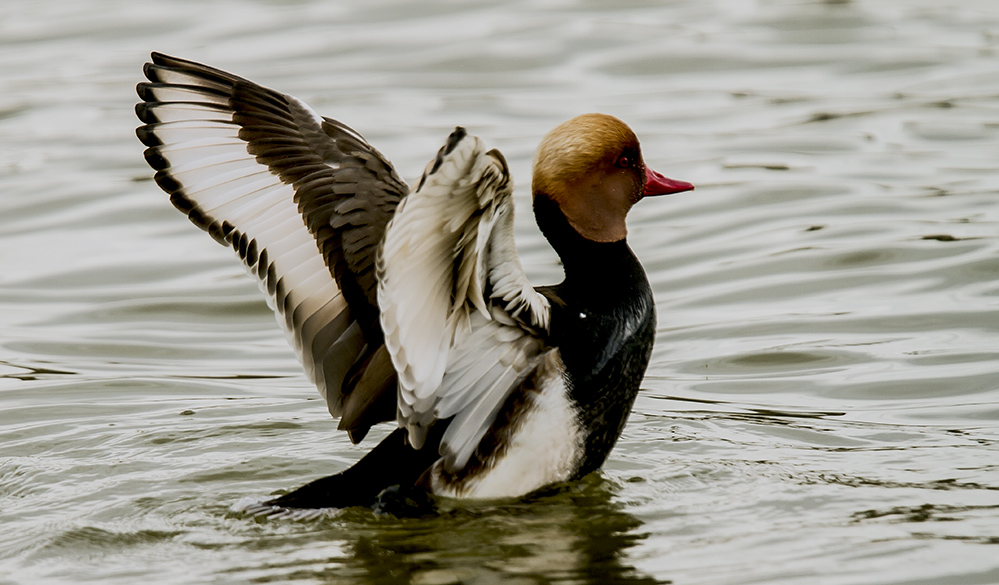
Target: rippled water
(823, 402)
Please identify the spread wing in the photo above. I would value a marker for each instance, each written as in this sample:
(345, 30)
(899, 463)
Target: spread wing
(461, 321)
(302, 199)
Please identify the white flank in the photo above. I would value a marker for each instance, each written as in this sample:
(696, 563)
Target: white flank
(546, 447)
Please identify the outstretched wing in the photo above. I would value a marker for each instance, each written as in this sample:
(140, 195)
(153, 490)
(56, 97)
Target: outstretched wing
(304, 201)
(461, 321)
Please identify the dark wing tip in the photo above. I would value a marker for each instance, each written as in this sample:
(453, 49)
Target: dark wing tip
(149, 70)
(144, 112)
(227, 230)
(163, 61)
(453, 140)
(145, 92)
(248, 248)
(455, 137)
(155, 160)
(214, 229)
(182, 203)
(167, 182)
(147, 136)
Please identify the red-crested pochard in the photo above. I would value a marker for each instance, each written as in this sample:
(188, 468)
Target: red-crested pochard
(411, 305)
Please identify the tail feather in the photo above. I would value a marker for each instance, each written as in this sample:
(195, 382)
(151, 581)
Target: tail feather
(393, 462)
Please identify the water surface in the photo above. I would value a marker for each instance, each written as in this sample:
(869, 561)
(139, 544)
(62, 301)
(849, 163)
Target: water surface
(823, 401)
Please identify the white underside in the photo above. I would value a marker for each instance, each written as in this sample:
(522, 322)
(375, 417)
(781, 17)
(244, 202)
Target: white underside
(546, 449)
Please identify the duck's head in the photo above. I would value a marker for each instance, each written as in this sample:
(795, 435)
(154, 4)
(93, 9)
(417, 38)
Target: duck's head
(591, 167)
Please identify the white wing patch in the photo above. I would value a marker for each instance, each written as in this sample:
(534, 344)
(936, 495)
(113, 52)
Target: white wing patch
(206, 167)
(226, 184)
(456, 308)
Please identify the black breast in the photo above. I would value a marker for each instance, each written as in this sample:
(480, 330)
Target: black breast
(603, 322)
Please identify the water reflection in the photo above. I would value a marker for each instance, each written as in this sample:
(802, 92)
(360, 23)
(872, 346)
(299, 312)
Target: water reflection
(577, 534)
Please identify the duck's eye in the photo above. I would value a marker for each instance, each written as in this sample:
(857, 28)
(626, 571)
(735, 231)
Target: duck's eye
(624, 162)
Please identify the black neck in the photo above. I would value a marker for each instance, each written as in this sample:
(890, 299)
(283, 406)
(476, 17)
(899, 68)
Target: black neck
(583, 259)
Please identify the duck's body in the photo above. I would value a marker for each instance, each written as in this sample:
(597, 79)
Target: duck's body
(413, 306)
(603, 324)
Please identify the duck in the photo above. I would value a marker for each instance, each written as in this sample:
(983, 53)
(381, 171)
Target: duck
(409, 304)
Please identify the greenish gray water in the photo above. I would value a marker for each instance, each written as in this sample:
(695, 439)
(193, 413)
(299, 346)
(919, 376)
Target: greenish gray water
(823, 402)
